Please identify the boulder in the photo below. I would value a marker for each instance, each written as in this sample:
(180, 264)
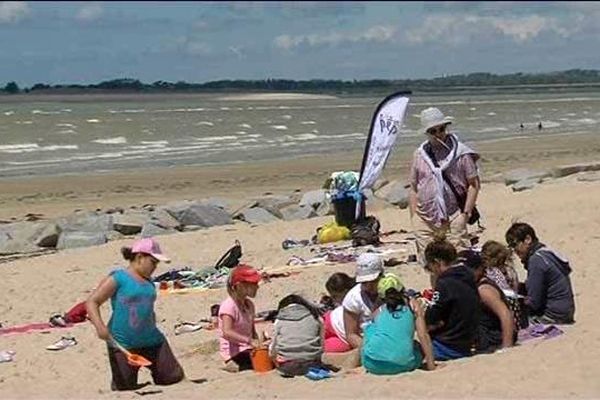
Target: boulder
(69, 240)
(114, 235)
(274, 204)
(48, 235)
(86, 222)
(394, 193)
(256, 215)
(522, 174)
(295, 212)
(161, 218)
(216, 202)
(526, 184)
(129, 223)
(12, 245)
(313, 198)
(326, 208)
(23, 237)
(194, 213)
(150, 229)
(566, 170)
(379, 183)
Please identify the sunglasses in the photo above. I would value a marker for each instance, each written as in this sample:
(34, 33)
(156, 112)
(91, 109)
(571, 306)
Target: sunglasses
(436, 129)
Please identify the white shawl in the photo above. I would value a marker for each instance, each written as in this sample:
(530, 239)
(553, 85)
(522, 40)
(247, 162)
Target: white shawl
(458, 149)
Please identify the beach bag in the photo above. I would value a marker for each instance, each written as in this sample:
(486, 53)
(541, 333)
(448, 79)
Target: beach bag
(332, 232)
(231, 258)
(366, 232)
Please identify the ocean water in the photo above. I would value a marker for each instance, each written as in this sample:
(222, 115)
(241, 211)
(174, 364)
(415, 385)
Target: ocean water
(40, 138)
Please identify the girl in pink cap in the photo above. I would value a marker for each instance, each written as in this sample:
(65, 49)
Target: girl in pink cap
(237, 336)
(132, 323)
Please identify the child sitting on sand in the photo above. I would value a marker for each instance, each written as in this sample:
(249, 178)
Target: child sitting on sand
(297, 336)
(132, 324)
(388, 346)
(237, 334)
(337, 285)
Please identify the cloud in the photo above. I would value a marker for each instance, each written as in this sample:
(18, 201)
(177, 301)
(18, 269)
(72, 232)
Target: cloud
(89, 12)
(376, 34)
(237, 50)
(457, 29)
(13, 11)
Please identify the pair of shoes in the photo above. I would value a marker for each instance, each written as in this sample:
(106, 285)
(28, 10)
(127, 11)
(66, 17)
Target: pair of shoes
(63, 343)
(58, 320)
(187, 327)
(318, 373)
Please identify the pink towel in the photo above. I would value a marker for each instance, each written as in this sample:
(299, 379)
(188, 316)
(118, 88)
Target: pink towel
(39, 326)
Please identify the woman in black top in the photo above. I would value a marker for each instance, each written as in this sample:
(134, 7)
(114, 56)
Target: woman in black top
(496, 324)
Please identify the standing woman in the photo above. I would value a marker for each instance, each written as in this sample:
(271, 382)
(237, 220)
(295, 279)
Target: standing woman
(133, 323)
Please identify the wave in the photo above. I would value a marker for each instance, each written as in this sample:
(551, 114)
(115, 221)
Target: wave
(279, 127)
(23, 122)
(204, 123)
(245, 126)
(93, 121)
(128, 111)
(10, 112)
(216, 138)
(240, 133)
(41, 112)
(308, 122)
(33, 147)
(65, 125)
(586, 121)
(67, 132)
(287, 117)
(168, 110)
(114, 140)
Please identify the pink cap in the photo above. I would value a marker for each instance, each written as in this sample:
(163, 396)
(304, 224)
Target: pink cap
(151, 247)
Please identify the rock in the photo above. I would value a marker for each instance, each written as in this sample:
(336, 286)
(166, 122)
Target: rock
(48, 235)
(526, 184)
(129, 223)
(69, 240)
(379, 183)
(566, 170)
(10, 244)
(274, 204)
(86, 222)
(161, 218)
(295, 212)
(522, 174)
(114, 235)
(326, 208)
(193, 213)
(24, 237)
(256, 215)
(216, 202)
(313, 198)
(394, 193)
(150, 229)
(192, 228)
(589, 177)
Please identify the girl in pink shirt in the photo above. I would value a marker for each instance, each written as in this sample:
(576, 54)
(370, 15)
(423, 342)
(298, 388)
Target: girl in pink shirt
(237, 336)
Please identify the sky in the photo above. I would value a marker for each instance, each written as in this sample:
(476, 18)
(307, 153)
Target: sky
(88, 42)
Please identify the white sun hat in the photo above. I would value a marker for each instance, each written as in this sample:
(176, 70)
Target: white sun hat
(431, 117)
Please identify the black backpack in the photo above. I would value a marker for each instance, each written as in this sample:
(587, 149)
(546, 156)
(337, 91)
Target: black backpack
(231, 258)
(366, 232)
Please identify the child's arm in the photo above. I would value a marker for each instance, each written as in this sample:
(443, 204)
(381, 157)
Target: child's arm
(352, 326)
(422, 334)
(103, 292)
(230, 334)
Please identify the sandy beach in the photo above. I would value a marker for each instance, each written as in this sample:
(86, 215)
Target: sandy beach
(563, 211)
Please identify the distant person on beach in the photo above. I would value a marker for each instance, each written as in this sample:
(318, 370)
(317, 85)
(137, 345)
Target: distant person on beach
(444, 184)
(237, 334)
(540, 126)
(521, 127)
(453, 317)
(389, 345)
(497, 327)
(548, 285)
(358, 305)
(133, 322)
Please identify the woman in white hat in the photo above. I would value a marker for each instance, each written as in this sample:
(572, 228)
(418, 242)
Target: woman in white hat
(444, 183)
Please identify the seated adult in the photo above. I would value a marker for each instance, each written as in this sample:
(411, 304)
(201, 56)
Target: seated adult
(496, 323)
(548, 286)
(359, 304)
(453, 316)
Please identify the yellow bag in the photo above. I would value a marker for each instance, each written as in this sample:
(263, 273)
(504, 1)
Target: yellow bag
(332, 232)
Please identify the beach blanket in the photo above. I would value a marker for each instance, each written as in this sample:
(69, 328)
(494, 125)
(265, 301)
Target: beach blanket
(27, 328)
(536, 331)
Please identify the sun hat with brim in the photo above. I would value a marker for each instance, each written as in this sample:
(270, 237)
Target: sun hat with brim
(368, 267)
(244, 273)
(387, 282)
(149, 246)
(432, 117)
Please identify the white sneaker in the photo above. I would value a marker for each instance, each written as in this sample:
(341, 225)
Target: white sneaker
(63, 343)
(186, 327)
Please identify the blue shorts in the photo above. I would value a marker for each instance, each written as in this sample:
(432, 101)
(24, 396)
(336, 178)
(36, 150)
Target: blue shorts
(442, 352)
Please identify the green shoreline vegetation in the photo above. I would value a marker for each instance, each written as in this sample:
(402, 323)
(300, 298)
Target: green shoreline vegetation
(571, 79)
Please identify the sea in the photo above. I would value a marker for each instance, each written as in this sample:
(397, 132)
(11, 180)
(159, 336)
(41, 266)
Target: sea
(99, 135)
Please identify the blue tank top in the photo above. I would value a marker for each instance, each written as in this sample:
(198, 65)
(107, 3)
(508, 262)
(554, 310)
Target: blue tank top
(132, 322)
(389, 341)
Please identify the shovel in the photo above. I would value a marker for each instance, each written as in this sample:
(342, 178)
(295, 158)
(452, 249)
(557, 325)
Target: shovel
(132, 359)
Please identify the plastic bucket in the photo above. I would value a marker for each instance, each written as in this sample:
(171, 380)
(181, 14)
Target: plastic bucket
(261, 362)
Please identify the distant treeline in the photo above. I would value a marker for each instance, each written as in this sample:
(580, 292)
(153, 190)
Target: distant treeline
(574, 76)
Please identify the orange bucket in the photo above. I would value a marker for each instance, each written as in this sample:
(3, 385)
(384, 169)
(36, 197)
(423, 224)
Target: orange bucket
(261, 362)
